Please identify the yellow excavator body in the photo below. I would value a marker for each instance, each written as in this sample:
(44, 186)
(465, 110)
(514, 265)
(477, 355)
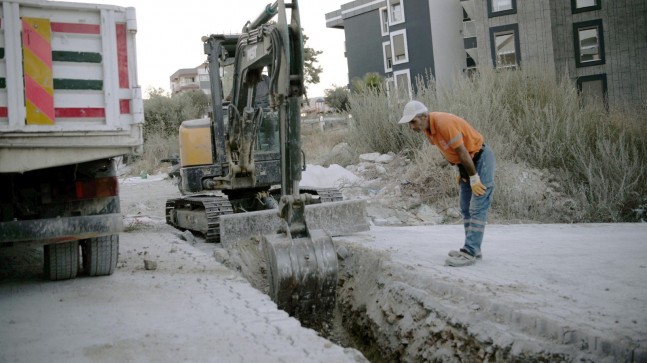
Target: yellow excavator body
(195, 142)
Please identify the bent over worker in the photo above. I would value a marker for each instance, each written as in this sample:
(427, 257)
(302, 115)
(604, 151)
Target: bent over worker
(462, 146)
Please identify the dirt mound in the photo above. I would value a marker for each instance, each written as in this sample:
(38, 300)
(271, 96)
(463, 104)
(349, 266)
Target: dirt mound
(400, 192)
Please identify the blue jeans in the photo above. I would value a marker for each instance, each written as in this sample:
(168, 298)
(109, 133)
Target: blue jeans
(475, 209)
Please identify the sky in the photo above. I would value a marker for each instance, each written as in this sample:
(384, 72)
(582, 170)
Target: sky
(169, 33)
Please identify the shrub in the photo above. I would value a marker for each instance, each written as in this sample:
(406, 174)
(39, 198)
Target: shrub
(157, 146)
(374, 127)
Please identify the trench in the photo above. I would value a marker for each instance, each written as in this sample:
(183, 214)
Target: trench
(380, 313)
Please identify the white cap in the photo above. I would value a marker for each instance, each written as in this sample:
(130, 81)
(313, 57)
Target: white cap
(411, 110)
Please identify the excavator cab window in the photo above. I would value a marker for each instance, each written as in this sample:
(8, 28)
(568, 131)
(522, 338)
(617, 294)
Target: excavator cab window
(267, 139)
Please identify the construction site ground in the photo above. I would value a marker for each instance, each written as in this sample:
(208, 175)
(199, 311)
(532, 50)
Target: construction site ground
(563, 292)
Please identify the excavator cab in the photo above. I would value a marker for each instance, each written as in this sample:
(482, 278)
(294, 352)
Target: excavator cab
(241, 166)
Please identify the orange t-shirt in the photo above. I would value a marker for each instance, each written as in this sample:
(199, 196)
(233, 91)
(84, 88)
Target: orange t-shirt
(449, 131)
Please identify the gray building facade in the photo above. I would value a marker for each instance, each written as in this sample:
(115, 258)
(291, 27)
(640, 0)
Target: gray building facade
(401, 40)
(599, 44)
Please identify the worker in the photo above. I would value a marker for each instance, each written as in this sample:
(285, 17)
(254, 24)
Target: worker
(462, 146)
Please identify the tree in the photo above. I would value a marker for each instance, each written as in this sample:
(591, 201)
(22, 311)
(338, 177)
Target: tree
(164, 114)
(193, 104)
(311, 69)
(337, 98)
(372, 81)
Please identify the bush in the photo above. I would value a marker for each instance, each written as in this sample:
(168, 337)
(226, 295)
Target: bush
(157, 146)
(337, 98)
(374, 127)
(163, 115)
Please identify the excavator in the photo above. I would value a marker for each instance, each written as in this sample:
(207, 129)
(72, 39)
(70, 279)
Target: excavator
(240, 168)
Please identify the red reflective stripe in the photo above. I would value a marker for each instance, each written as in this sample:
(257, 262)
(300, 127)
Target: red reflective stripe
(124, 107)
(122, 56)
(76, 28)
(39, 97)
(80, 112)
(39, 46)
(4, 111)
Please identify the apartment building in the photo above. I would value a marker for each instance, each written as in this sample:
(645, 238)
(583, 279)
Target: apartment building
(600, 44)
(191, 79)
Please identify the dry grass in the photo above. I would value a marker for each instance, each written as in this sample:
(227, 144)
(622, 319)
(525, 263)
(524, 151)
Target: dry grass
(317, 145)
(157, 146)
(594, 157)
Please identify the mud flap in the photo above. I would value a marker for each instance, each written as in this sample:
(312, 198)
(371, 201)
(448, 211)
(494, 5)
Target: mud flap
(302, 274)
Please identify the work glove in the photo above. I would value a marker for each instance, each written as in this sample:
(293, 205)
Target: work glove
(477, 187)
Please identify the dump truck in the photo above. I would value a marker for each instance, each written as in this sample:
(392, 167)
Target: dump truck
(70, 107)
(241, 167)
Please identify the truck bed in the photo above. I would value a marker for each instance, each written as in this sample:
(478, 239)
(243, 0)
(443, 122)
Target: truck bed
(68, 84)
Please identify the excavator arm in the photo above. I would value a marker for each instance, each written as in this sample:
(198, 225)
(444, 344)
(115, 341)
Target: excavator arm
(301, 259)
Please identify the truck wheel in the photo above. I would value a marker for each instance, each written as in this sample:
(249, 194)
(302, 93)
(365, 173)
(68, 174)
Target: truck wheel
(61, 261)
(100, 255)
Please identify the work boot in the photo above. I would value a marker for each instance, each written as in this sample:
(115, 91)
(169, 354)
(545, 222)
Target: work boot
(455, 253)
(462, 259)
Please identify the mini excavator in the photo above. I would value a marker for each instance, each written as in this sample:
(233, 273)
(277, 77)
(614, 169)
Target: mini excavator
(240, 168)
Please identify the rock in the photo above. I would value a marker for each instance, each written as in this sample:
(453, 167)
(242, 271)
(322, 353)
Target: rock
(453, 213)
(429, 215)
(384, 159)
(342, 252)
(150, 265)
(372, 157)
(341, 154)
(221, 255)
(187, 236)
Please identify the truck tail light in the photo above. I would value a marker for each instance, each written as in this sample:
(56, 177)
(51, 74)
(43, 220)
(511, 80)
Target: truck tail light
(97, 188)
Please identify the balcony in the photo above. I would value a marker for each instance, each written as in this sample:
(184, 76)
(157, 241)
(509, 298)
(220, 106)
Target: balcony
(469, 29)
(468, 6)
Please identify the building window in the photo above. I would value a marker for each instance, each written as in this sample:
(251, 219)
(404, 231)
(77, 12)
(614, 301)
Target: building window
(388, 57)
(396, 12)
(399, 46)
(501, 7)
(504, 41)
(589, 43)
(580, 6)
(593, 89)
(403, 84)
(384, 21)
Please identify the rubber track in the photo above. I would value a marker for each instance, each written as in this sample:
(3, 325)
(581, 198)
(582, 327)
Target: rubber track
(214, 207)
(327, 195)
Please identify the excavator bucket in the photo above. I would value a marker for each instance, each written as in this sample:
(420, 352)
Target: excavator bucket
(302, 274)
(302, 270)
(335, 218)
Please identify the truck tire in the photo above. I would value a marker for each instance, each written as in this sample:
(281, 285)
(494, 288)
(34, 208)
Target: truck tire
(100, 255)
(61, 261)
